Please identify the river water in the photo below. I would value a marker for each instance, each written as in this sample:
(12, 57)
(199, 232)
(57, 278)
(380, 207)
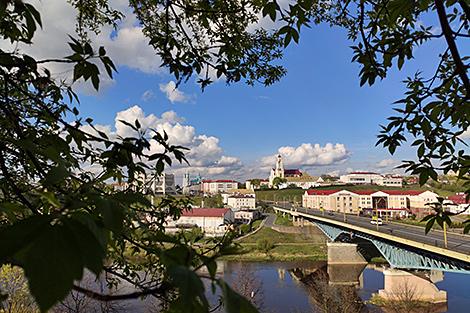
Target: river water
(283, 292)
(301, 287)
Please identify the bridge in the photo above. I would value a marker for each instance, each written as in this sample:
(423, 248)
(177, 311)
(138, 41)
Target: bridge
(403, 246)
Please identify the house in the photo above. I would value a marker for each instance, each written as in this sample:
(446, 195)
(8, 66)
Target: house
(213, 221)
(460, 203)
(218, 186)
(247, 216)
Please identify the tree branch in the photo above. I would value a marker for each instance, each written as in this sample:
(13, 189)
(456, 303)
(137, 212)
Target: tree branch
(460, 67)
(162, 289)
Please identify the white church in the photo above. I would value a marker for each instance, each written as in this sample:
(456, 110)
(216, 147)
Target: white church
(293, 176)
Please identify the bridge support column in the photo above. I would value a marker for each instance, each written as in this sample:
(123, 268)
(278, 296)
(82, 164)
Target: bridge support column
(344, 253)
(399, 285)
(345, 264)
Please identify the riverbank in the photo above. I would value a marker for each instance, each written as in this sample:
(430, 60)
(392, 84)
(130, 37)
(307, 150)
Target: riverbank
(270, 245)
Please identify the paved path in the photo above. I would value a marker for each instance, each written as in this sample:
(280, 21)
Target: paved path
(269, 222)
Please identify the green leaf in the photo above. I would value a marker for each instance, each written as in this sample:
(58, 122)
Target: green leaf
(233, 302)
(190, 289)
(56, 258)
(56, 175)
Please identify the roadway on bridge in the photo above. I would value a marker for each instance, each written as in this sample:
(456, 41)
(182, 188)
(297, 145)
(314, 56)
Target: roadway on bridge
(456, 242)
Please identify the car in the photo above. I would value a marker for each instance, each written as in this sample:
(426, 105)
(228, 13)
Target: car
(376, 221)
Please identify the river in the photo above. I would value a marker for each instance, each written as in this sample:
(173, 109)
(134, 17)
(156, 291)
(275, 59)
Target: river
(301, 287)
(283, 292)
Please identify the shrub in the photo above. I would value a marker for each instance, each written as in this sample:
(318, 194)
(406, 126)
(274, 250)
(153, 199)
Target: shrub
(245, 228)
(265, 245)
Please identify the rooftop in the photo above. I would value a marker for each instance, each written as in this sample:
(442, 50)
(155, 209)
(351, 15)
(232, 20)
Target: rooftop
(205, 212)
(218, 181)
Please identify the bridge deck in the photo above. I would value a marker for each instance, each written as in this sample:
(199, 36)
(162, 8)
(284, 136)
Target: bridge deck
(458, 245)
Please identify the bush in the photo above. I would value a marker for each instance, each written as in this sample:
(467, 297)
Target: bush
(245, 228)
(265, 245)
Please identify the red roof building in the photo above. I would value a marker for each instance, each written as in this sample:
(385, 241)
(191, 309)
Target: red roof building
(292, 173)
(321, 192)
(459, 198)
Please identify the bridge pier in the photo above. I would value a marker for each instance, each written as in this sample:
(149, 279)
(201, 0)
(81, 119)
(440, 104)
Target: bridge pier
(344, 253)
(345, 264)
(401, 285)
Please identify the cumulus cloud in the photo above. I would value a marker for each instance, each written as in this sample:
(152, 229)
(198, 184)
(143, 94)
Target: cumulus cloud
(310, 155)
(127, 46)
(147, 95)
(386, 163)
(204, 155)
(172, 93)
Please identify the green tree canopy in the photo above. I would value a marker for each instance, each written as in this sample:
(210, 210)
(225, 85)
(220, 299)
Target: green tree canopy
(57, 214)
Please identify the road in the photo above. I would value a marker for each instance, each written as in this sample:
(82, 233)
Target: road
(455, 242)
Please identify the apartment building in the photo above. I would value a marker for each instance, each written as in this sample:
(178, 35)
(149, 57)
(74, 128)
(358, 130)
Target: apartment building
(401, 202)
(218, 186)
(240, 201)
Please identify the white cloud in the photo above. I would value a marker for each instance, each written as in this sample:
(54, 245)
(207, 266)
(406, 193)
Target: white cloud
(465, 135)
(386, 163)
(309, 155)
(205, 155)
(127, 46)
(147, 95)
(172, 93)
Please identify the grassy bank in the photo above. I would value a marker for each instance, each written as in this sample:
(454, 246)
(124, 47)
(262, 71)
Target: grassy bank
(270, 245)
(283, 221)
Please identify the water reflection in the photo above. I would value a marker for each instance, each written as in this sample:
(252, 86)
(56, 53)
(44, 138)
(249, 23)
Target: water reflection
(321, 287)
(301, 287)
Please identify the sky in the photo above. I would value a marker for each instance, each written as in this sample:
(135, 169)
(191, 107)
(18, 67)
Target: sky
(317, 116)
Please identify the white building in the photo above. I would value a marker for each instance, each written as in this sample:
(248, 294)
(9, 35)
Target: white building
(390, 202)
(240, 201)
(262, 183)
(213, 221)
(370, 178)
(218, 186)
(247, 216)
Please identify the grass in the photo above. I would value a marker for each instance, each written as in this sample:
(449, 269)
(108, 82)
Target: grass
(280, 252)
(378, 260)
(276, 237)
(280, 195)
(283, 221)
(256, 224)
(285, 247)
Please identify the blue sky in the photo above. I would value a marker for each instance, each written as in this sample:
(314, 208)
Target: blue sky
(317, 116)
(318, 101)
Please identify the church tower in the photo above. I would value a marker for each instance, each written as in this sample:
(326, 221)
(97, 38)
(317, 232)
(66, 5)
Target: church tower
(279, 171)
